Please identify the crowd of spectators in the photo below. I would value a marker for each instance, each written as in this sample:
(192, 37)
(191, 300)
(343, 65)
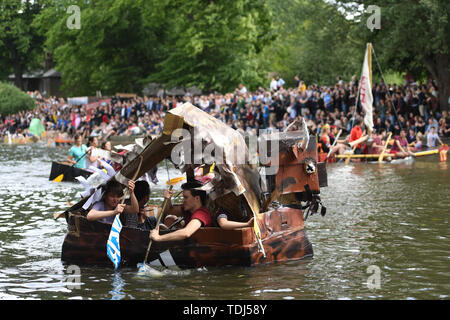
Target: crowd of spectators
(410, 106)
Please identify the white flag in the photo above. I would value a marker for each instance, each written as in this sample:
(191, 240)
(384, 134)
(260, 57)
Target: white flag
(366, 93)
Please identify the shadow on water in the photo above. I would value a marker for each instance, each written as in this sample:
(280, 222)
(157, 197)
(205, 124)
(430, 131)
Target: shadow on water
(393, 218)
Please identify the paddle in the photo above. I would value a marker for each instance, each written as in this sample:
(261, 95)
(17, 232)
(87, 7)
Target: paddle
(334, 143)
(143, 268)
(112, 245)
(380, 158)
(157, 224)
(61, 176)
(347, 160)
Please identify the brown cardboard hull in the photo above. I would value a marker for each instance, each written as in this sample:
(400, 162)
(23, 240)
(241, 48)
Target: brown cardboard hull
(283, 235)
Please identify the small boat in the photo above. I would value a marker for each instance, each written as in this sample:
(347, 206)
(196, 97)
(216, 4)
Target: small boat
(69, 172)
(276, 202)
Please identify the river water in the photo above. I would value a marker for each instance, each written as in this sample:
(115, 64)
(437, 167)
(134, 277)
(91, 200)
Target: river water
(385, 236)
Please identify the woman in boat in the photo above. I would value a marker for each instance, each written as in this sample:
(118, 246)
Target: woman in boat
(400, 148)
(77, 153)
(327, 143)
(106, 209)
(193, 210)
(376, 145)
(91, 160)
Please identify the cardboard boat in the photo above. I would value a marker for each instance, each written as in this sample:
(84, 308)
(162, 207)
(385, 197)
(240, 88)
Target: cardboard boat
(276, 203)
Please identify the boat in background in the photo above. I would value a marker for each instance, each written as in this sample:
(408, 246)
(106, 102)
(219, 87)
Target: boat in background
(70, 172)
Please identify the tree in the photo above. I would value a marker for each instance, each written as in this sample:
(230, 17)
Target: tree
(115, 47)
(20, 44)
(312, 42)
(123, 44)
(214, 44)
(414, 37)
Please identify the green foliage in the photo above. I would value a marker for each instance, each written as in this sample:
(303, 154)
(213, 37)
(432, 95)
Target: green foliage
(20, 45)
(214, 44)
(115, 47)
(312, 43)
(13, 100)
(123, 44)
(414, 37)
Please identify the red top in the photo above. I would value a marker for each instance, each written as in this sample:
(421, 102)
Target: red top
(355, 134)
(202, 214)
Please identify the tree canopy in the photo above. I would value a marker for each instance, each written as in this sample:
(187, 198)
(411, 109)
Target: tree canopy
(121, 45)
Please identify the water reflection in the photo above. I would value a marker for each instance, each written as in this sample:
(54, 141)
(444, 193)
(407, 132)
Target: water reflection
(117, 293)
(395, 217)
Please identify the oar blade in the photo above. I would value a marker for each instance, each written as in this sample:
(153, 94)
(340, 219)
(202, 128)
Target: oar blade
(59, 178)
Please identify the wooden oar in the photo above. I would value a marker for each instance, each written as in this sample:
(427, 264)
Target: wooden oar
(347, 160)
(157, 224)
(61, 176)
(334, 143)
(380, 158)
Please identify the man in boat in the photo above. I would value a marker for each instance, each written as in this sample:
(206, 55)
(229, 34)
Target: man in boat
(143, 219)
(193, 210)
(357, 133)
(226, 224)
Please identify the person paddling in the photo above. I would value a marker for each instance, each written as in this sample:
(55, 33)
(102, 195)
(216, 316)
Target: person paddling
(77, 153)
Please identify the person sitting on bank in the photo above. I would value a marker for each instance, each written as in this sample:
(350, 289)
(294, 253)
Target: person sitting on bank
(226, 224)
(106, 209)
(193, 210)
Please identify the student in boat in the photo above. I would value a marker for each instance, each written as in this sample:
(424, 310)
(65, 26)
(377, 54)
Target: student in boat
(106, 209)
(226, 224)
(357, 133)
(327, 142)
(193, 210)
(77, 153)
(143, 219)
(91, 160)
(432, 137)
(400, 147)
(376, 145)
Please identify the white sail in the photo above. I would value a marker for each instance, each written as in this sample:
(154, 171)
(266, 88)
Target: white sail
(366, 89)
